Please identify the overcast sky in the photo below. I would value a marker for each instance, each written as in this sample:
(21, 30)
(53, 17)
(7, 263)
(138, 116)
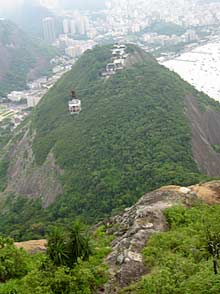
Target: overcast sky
(9, 3)
(89, 4)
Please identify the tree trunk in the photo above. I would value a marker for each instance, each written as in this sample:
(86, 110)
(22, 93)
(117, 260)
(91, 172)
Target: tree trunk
(215, 266)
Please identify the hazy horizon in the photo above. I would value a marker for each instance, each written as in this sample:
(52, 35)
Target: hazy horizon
(10, 5)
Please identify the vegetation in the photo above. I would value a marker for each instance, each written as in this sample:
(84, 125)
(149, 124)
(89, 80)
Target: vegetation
(22, 54)
(13, 261)
(5, 132)
(22, 218)
(186, 258)
(166, 28)
(132, 135)
(216, 147)
(40, 273)
(65, 249)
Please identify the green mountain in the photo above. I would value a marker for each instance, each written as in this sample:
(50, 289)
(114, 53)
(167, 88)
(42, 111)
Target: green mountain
(165, 28)
(138, 130)
(22, 57)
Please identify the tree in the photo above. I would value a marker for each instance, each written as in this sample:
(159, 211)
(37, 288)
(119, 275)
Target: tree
(78, 244)
(64, 248)
(13, 261)
(213, 247)
(56, 246)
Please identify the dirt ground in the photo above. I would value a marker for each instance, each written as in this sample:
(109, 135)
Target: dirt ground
(33, 246)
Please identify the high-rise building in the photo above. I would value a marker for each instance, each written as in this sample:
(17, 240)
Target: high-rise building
(49, 31)
(66, 26)
(73, 27)
(80, 26)
(86, 22)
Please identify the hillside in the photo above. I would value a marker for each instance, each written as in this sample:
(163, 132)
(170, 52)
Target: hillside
(22, 58)
(159, 245)
(137, 131)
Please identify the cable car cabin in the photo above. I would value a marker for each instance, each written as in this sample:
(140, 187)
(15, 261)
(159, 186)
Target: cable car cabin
(74, 106)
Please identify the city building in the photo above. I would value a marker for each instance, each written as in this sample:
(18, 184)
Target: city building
(73, 51)
(80, 26)
(32, 101)
(49, 30)
(16, 96)
(66, 26)
(72, 27)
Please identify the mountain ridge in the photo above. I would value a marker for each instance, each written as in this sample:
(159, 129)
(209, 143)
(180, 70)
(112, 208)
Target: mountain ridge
(132, 136)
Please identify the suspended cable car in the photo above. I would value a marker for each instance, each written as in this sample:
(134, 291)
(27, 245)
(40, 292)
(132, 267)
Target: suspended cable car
(74, 104)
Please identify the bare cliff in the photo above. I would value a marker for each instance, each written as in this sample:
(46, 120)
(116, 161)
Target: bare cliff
(25, 177)
(205, 127)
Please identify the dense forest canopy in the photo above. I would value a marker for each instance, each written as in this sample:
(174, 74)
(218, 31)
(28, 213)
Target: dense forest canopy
(131, 137)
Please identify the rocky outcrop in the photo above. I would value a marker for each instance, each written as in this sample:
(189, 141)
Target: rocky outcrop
(25, 177)
(208, 192)
(133, 228)
(205, 134)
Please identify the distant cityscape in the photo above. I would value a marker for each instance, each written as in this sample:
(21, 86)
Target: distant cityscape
(132, 20)
(19, 102)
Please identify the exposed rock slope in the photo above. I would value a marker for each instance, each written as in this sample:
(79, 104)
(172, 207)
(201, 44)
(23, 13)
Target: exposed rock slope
(136, 224)
(205, 134)
(26, 178)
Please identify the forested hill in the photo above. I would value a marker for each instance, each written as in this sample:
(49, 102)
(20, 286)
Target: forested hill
(21, 57)
(133, 135)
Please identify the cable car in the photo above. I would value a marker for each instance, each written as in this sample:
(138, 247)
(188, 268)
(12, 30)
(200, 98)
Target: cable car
(74, 104)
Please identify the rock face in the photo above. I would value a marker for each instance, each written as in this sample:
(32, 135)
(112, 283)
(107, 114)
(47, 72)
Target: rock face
(208, 192)
(26, 178)
(133, 228)
(205, 134)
